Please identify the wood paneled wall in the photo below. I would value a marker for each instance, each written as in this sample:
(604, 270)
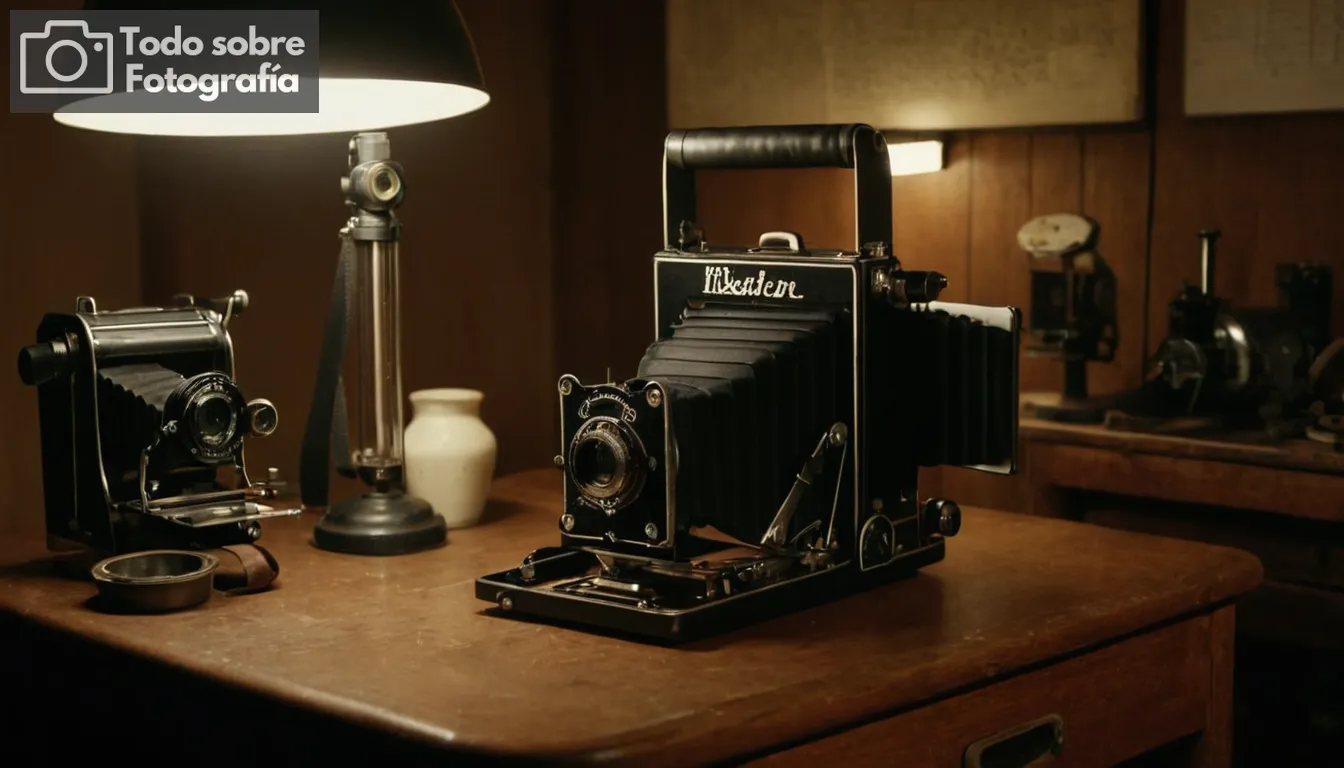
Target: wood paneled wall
(530, 225)
(608, 195)
(528, 230)
(71, 228)
(1272, 184)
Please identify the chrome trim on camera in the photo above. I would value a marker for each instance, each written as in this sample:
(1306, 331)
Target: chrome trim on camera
(776, 536)
(718, 600)
(97, 418)
(873, 521)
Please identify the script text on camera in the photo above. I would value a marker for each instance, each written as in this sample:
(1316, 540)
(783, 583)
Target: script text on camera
(720, 281)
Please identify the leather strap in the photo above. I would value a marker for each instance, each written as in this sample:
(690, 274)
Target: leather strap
(326, 438)
(259, 570)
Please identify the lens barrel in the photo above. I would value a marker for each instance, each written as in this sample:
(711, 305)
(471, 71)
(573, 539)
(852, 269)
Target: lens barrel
(211, 416)
(607, 463)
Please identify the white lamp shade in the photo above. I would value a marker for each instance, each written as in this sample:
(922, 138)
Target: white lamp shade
(380, 65)
(345, 105)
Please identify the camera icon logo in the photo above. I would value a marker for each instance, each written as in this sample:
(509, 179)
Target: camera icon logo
(39, 49)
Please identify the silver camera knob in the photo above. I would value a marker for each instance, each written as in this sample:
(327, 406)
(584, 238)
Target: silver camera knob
(262, 418)
(942, 516)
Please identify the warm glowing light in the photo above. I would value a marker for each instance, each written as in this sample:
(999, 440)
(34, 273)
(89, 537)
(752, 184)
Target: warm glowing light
(344, 106)
(915, 157)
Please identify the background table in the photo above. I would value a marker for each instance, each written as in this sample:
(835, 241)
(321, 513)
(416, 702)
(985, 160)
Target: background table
(1282, 501)
(1126, 637)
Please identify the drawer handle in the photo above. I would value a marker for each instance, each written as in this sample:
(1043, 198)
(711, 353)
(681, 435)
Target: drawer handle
(1018, 746)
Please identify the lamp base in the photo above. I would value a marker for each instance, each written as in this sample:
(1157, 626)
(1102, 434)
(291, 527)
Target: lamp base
(380, 523)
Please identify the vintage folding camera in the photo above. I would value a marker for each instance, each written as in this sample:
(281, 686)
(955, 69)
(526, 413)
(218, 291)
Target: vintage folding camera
(766, 456)
(143, 428)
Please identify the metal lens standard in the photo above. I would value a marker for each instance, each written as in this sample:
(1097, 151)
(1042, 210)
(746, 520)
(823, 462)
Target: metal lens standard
(214, 420)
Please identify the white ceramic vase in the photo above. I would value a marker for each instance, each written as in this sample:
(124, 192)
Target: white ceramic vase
(450, 454)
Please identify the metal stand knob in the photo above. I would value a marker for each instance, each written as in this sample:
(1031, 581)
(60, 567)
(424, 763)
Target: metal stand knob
(943, 516)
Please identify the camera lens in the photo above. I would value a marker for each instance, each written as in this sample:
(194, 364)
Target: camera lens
(208, 415)
(213, 420)
(605, 462)
(598, 462)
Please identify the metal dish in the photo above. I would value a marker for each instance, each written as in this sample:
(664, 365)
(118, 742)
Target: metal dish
(156, 581)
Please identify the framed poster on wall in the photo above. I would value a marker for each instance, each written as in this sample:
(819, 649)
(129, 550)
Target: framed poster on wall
(1262, 56)
(916, 65)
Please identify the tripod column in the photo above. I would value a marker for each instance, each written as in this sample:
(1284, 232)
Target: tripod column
(383, 520)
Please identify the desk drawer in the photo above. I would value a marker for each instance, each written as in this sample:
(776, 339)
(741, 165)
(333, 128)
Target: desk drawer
(1114, 703)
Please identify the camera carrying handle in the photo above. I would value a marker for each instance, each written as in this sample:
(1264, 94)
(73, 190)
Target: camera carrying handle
(855, 146)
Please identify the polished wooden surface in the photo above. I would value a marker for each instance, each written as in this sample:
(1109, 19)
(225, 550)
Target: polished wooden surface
(1282, 501)
(1015, 592)
(1229, 469)
(1129, 472)
(1241, 448)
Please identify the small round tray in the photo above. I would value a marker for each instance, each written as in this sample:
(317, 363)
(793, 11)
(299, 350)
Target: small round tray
(156, 581)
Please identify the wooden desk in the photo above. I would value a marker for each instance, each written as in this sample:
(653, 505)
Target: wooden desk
(1128, 638)
(1298, 477)
(1283, 502)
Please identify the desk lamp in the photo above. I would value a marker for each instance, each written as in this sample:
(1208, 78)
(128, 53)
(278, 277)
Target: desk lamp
(379, 66)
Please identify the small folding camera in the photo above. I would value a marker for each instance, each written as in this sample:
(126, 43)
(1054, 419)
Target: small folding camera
(767, 454)
(143, 428)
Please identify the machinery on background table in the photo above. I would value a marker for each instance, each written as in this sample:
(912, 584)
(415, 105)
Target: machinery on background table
(1238, 367)
(1326, 412)
(1072, 309)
